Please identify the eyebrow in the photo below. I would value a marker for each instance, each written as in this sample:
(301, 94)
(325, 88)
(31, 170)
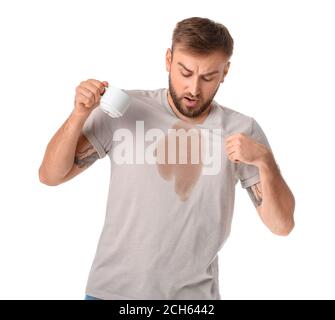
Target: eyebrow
(207, 74)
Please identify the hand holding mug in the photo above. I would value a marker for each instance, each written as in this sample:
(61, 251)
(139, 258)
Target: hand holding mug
(88, 95)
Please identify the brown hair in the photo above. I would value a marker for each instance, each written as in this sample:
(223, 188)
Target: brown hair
(202, 36)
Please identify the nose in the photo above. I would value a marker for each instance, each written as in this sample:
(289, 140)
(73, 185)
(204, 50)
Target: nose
(194, 88)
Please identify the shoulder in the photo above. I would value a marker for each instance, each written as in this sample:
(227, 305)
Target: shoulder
(144, 103)
(234, 121)
(142, 94)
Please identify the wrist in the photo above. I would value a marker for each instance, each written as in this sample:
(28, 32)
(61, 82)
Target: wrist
(267, 161)
(80, 115)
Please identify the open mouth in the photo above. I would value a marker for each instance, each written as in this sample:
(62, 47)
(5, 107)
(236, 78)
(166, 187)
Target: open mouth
(190, 102)
(189, 99)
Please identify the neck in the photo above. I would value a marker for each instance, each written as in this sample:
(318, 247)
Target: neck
(197, 120)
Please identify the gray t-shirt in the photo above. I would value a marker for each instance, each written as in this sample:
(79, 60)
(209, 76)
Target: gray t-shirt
(165, 222)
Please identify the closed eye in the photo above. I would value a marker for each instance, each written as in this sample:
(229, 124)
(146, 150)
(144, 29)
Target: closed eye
(207, 79)
(188, 75)
(185, 75)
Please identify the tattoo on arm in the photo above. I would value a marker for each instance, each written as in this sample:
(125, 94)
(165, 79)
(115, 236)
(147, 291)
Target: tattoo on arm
(255, 193)
(86, 158)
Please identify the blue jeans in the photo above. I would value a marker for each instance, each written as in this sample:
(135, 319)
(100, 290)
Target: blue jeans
(87, 297)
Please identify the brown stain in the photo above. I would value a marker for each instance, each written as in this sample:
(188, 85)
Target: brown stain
(185, 173)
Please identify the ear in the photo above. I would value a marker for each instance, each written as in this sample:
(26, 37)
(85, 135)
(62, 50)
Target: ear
(168, 59)
(225, 71)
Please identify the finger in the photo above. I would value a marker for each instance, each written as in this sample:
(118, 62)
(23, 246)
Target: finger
(233, 159)
(230, 153)
(231, 141)
(88, 94)
(233, 156)
(106, 84)
(234, 144)
(84, 91)
(83, 100)
(231, 144)
(94, 89)
(98, 84)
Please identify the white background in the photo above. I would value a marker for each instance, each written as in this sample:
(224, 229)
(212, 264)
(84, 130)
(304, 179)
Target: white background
(282, 74)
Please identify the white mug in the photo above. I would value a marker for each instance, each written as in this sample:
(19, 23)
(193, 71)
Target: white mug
(114, 101)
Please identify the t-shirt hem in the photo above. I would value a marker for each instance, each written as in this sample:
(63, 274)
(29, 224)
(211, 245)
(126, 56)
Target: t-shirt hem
(106, 296)
(112, 296)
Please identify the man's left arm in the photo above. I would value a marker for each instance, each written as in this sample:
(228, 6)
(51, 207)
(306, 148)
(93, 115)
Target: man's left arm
(271, 196)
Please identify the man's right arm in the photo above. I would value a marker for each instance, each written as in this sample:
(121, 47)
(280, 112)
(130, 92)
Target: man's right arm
(69, 152)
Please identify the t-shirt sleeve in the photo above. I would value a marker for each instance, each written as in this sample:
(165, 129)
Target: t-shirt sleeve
(98, 130)
(249, 174)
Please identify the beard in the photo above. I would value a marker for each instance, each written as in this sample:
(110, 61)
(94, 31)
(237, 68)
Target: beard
(183, 109)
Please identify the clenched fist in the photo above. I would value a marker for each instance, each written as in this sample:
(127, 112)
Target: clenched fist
(88, 95)
(241, 148)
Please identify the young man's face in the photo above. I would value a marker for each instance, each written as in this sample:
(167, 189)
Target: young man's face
(194, 79)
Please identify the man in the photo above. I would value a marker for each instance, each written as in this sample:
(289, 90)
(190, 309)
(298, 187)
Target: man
(166, 221)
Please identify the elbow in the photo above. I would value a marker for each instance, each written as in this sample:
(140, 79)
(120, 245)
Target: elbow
(284, 227)
(284, 230)
(289, 225)
(43, 179)
(280, 224)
